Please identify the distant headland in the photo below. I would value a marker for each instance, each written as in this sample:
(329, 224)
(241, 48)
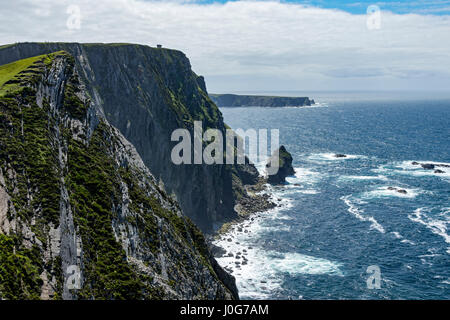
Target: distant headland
(234, 100)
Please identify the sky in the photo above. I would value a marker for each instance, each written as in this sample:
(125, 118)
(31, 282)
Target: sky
(249, 46)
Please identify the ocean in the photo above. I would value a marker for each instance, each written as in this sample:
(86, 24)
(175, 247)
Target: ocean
(340, 216)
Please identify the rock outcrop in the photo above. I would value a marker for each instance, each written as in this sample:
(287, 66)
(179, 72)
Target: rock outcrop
(285, 168)
(340, 155)
(431, 166)
(399, 190)
(147, 93)
(78, 203)
(234, 100)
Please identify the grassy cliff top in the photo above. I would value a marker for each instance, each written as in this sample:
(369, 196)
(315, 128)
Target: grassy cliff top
(14, 74)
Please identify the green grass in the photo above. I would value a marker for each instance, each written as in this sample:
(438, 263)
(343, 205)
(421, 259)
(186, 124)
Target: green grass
(7, 45)
(10, 70)
(19, 270)
(14, 74)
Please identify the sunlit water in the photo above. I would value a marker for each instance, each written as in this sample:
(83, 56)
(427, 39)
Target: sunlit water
(338, 216)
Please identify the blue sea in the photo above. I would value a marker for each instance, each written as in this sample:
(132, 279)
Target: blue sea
(338, 216)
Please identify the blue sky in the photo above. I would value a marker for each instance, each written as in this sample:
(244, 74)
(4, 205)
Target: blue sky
(263, 45)
(435, 7)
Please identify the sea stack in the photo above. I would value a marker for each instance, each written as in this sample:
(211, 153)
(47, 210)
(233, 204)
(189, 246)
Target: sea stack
(285, 167)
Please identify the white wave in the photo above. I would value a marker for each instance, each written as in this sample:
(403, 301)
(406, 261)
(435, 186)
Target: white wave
(385, 192)
(258, 276)
(309, 191)
(407, 168)
(437, 226)
(296, 263)
(332, 157)
(377, 177)
(314, 106)
(358, 213)
(304, 176)
(290, 190)
(397, 235)
(261, 275)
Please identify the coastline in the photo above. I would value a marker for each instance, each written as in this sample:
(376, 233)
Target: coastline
(233, 250)
(259, 199)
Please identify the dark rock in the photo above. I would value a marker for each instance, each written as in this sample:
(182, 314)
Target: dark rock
(247, 173)
(217, 251)
(340, 155)
(415, 163)
(285, 168)
(438, 171)
(428, 166)
(402, 191)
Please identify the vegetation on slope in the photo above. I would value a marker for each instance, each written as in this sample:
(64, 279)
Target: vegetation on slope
(30, 136)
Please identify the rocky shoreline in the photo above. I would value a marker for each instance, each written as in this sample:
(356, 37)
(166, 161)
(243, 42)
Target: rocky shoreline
(257, 200)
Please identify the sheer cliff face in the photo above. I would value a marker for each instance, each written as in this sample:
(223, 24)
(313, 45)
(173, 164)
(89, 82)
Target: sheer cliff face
(147, 93)
(75, 195)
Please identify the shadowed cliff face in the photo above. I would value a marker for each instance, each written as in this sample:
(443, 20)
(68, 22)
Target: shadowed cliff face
(75, 193)
(147, 93)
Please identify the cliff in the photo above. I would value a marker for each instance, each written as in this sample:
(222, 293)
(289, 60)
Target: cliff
(233, 100)
(146, 93)
(76, 195)
(285, 168)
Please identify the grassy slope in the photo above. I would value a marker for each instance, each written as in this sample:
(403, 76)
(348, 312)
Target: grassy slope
(93, 181)
(14, 74)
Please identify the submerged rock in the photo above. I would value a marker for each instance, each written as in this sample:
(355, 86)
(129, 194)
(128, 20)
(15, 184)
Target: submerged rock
(403, 191)
(285, 168)
(340, 155)
(431, 166)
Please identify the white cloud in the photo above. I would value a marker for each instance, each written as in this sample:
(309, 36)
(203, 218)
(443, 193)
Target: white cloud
(271, 45)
